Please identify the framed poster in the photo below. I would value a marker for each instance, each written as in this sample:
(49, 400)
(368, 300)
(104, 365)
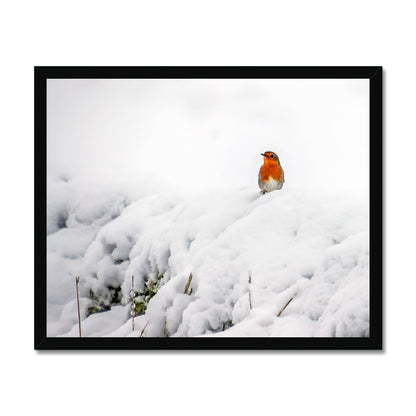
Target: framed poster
(208, 208)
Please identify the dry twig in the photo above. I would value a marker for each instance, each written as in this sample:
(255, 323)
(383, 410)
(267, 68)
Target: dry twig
(79, 312)
(249, 291)
(133, 306)
(142, 332)
(284, 307)
(188, 284)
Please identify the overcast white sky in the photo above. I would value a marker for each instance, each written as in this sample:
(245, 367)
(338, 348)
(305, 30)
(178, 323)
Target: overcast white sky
(209, 133)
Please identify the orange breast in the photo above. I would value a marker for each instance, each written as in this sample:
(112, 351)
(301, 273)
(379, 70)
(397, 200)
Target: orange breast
(270, 170)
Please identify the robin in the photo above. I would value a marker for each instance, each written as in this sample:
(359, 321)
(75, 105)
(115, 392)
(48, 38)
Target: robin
(271, 175)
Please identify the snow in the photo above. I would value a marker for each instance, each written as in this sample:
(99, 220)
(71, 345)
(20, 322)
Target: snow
(209, 133)
(306, 252)
(157, 179)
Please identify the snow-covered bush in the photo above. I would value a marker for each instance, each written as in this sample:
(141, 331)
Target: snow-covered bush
(307, 254)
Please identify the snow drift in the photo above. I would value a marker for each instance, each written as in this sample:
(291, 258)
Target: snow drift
(288, 263)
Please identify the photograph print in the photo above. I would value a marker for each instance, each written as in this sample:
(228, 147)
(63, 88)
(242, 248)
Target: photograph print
(208, 208)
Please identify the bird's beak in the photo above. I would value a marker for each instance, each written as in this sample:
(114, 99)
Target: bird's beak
(262, 154)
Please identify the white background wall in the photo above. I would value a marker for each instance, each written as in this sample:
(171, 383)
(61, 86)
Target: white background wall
(214, 33)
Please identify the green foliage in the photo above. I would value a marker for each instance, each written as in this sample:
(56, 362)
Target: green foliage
(115, 294)
(103, 300)
(142, 298)
(97, 308)
(139, 308)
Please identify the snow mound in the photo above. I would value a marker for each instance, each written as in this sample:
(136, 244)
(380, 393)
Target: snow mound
(290, 263)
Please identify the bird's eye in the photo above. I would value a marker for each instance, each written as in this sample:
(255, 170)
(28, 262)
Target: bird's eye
(272, 156)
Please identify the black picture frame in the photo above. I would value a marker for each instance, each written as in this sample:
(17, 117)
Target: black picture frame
(374, 342)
